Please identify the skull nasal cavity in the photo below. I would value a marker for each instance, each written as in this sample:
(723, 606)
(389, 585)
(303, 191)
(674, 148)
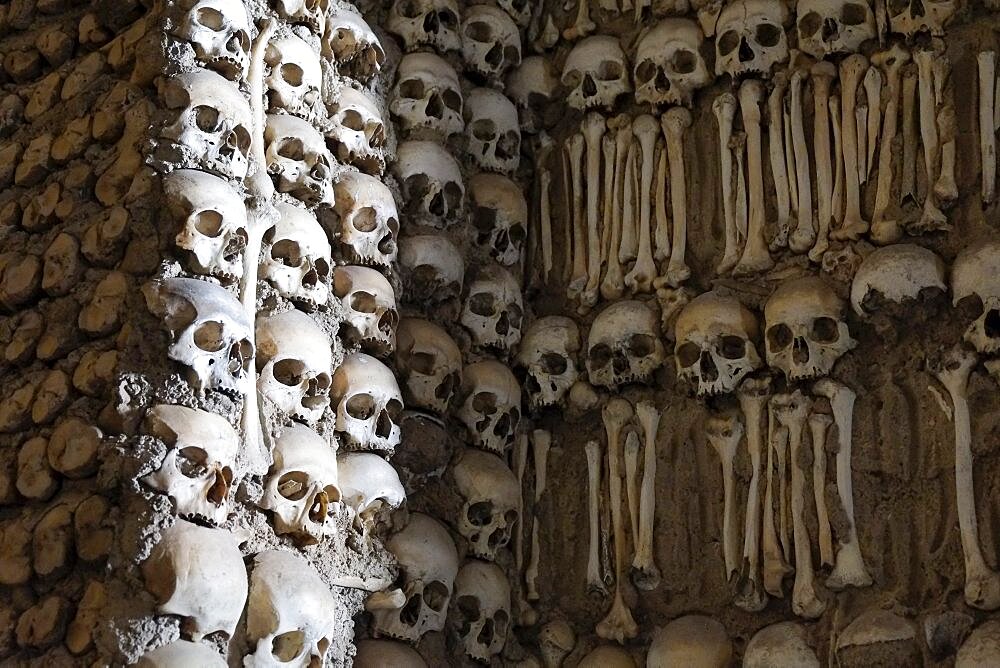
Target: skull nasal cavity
(554, 363)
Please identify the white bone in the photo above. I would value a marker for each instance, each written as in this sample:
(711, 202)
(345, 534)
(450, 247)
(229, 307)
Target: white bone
(756, 257)
(582, 26)
(724, 434)
(427, 96)
(738, 145)
(675, 122)
(613, 284)
(873, 91)
(578, 279)
(371, 488)
(492, 131)
(219, 32)
(819, 424)
(739, 47)
(913, 18)
(378, 653)
(482, 617)
(724, 108)
(294, 358)
(753, 396)
(432, 23)
(367, 402)
(646, 575)
(793, 182)
(431, 182)
(483, 480)
(946, 188)
(886, 230)
(631, 482)
(594, 581)
(182, 653)
(351, 43)
(932, 217)
(556, 640)
(861, 132)
(897, 272)
(823, 73)
(658, 79)
(804, 235)
(908, 186)
(545, 218)
(662, 234)
(295, 77)
(491, 43)
(624, 345)
(852, 69)
(593, 129)
(849, 570)
(596, 72)
(607, 190)
(303, 12)
(776, 151)
(531, 572)
(490, 405)
(640, 278)
(780, 644)
(297, 156)
(838, 160)
(629, 248)
(500, 216)
(691, 640)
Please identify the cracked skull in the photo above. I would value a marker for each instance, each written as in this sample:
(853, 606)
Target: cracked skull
(624, 345)
(219, 31)
(750, 38)
(827, 27)
(548, 353)
(356, 133)
(669, 66)
(293, 364)
(368, 224)
(714, 346)
(427, 96)
(297, 257)
(431, 182)
(492, 497)
(432, 23)
(429, 364)
(297, 155)
(500, 216)
(975, 275)
(492, 131)
(371, 489)
(493, 308)
(368, 403)
(294, 76)
(482, 609)
(370, 306)
(490, 407)
(911, 17)
(596, 72)
(350, 42)
(805, 328)
(491, 43)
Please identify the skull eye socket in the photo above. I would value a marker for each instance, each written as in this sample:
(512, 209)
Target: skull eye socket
(688, 354)
(810, 24)
(412, 89)
(292, 74)
(452, 100)
(207, 119)
(853, 14)
(365, 220)
(641, 345)
(436, 596)
(208, 223)
(423, 363)
(210, 18)
(728, 42)
(484, 129)
(485, 219)
(410, 10)
(288, 252)
(779, 337)
(363, 302)
(293, 485)
(394, 408)
(289, 372)
(684, 61)
(609, 70)
(645, 71)
(479, 31)
(480, 513)
(209, 336)
(292, 149)
(453, 195)
(825, 330)
(483, 304)
(768, 34)
(240, 138)
(352, 120)
(732, 347)
(289, 645)
(484, 403)
(554, 364)
(361, 406)
(192, 462)
(600, 355)
(517, 234)
(572, 78)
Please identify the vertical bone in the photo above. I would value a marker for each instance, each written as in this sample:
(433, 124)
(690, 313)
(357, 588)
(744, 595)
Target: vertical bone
(662, 236)
(932, 218)
(793, 183)
(524, 609)
(675, 121)
(541, 441)
(567, 215)
(860, 128)
(908, 186)
(582, 26)
(647, 575)
(630, 195)
(819, 424)
(545, 217)
(838, 161)
(873, 91)
(631, 482)
(823, 73)
(640, 278)
(946, 188)
(578, 279)
(724, 109)
(594, 581)
(778, 438)
(756, 257)
(775, 562)
(885, 230)
(593, 132)
(805, 231)
(613, 284)
(776, 151)
(738, 145)
(607, 221)
(753, 395)
(852, 69)
(724, 434)
(531, 573)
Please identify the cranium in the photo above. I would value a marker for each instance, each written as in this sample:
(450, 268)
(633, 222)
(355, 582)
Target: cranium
(805, 328)
(304, 12)
(182, 653)
(500, 216)
(669, 66)
(431, 181)
(492, 497)
(214, 233)
(491, 43)
(302, 485)
(607, 656)
(210, 331)
(910, 17)
(432, 23)
(197, 573)
(367, 220)
(293, 364)
(356, 133)
(531, 86)
(427, 96)
(976, 273)
(432, 268)
(493, 308)
(624, 345)
(482, 609)
(834, 26)
(781, 644)
(371, 489)
(715, 346)
(381, 653)
(197, 471)
(370, 306)
(297, 155)
(691, 640)
(519, 10)
(897, 272)
(219, 31)
(548, 353)
(596, 72)
(490, 407)
(297, 257)
(289, 620)
(350, 42)
(368, 403)
(428, 564)
(212, 128)
(556, 640)
(429, 363)
(750, 38)
(294, 77)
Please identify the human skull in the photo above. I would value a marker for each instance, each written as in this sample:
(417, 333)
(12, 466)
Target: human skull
(182, 653)
(197, 471)
(910, 17)
(751, 38)
(427, 96)
(431, 181)
(219, 32)
(781, 644)
(429, 364)
(197, 573)
(297, 257)
(691, 640)
(370, 306)
(715, 346)
(531, 86)
(490, 405)
(293, 364)
(371, 489)
(556, 640)
(211, 334)
(624, 345)
(289, 620)
(214, 233)
(304, 12)
(492, 132)
(805, 328)
(897, 272)
(212, 127)
(432, 268)
(500, 216)
(596, 72)
(382, 653)
(352, 45)
(607, 656)
(491, 496)
(368, 403)
(420, 23)
(491, 43)
(548, 353)
(669, 66)
(428, 564)
(827, 27)
(367, 220)
(294, 76)
(297, 155)
(356, 133)
(482, 609)
(976, 273)
(493, 308)
(302, 486)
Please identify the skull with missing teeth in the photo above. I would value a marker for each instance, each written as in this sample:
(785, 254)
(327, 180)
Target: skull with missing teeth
(304, 12)
(367, 220)
(834, 26)
(219, 31)
(492, 131)
(624, 345)
(492, 496)
(976, 276)
(294, 76)
(493, 309)
(371, 489)
(297, 155)
(806, 332)
(715, 344)
(356, 134)
(427, 97)
(500, 216)
(669, 66)
(429, 363)
(490, 405)
(548, 352)
(197, 471)
(911, 17)
(491, 43)
(596, 72)
(370, 306)
(293, 364)
(750, 38)
(431, 182)
(368, 403)
(419, 23)
(482, 609)
(297, 257)
(350, 42)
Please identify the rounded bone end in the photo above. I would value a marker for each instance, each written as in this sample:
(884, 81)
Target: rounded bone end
(692, 640)
(607, 656)
(982, 647)
(878, 638)
(781, 644)
(382, 653)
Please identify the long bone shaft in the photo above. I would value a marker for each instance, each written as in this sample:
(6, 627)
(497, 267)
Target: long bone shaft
(932, 218)
(753, 395)
(838, 160)
(775, 564)
(640, 278)
(823, 74)
(631, 484)
(578, 279)
(613, 284)
(873, 91)
(852, 69)
(593, 132)
(594, 580)
(756, 257)
(804, 229)
(819, 424)
(662, 235)
(647, 575)
(776, 152)
(908, 168)
(887, 230)
(724, 434)
(724, 109)
(675, 122)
